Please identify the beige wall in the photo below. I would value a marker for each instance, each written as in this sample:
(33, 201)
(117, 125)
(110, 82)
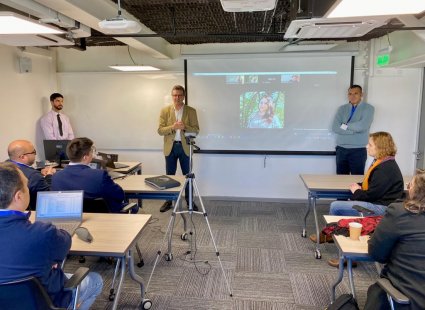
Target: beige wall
(24, 96)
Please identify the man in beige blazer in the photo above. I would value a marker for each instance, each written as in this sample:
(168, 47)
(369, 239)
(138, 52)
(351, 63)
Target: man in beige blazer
(174, 121)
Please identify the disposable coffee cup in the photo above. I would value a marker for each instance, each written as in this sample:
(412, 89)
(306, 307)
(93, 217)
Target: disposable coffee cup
(355, 230)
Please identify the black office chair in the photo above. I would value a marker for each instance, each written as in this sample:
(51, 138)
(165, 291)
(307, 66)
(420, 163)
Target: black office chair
(29, 293)
(99, 205)
(393, 294)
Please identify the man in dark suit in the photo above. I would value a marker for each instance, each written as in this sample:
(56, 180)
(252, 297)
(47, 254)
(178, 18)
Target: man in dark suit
(174, 121)
(22, 153)
(94, 182)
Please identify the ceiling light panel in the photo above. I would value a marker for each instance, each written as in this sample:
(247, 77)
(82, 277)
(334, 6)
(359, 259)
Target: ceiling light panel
(134, 68)
(11, 23)
(347, 8)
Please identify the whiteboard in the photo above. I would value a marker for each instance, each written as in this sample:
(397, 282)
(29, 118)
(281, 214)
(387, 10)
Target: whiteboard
(118, 110)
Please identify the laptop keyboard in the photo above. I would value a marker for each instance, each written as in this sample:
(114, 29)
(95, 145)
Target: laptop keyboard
(68, 227)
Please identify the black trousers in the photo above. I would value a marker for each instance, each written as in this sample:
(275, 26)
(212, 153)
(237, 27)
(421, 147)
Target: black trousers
(350, 161)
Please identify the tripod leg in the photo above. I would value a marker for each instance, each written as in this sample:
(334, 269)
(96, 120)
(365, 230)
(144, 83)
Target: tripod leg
(169, 235)
(217, 253)
(169, 255)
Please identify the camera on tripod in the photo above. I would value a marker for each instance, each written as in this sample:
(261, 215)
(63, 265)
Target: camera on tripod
(190, 137)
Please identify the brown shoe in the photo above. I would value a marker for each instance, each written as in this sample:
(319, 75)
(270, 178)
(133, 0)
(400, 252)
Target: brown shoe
(334, 262)
(323, 238)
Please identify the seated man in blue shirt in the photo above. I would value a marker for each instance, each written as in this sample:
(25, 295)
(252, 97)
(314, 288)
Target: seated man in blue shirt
(35, 249)
(95, 183)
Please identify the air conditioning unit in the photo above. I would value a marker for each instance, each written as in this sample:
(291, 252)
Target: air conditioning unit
(328, 28)
(247, 5)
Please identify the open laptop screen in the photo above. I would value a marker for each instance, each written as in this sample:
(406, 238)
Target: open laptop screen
(64, 205)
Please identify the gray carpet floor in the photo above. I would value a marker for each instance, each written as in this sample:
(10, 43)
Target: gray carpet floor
(266, 261)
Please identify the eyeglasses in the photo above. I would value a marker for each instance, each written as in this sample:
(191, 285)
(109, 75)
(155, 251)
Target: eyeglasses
(31, 153)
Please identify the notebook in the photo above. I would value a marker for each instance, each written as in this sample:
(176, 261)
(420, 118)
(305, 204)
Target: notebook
(62, 209)
(110, 160)
(162, 182)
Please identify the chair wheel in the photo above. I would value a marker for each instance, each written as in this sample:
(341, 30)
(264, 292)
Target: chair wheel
(317, 254)
(184, 236)
(140, 264)
(146, 304)
(168, 257)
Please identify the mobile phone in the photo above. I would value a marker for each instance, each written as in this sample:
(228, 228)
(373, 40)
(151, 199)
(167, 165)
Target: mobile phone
(363, 210)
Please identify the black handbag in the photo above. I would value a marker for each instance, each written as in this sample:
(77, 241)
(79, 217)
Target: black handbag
(344, 302)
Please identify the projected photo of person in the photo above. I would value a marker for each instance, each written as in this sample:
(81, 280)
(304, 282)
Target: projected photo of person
(235, 79)
(259, 110)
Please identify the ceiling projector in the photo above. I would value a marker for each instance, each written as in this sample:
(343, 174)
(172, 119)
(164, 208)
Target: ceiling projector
(119, 25)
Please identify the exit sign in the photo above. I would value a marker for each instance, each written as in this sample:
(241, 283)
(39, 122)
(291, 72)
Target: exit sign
(383, 60)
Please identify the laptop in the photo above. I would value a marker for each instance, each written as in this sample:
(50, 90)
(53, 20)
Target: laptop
(111, 160)
(162, 182)
(100, 164)
(63, 209)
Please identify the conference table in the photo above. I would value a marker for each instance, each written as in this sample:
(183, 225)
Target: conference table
(330, 187)
(135, 187)
(114, 235)
(325, 186)
(349, 250)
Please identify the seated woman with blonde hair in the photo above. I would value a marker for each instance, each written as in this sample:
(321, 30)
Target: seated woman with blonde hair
(382, 184)
(399, 243)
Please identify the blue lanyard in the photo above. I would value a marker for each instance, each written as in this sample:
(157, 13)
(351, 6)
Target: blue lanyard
(353, 109)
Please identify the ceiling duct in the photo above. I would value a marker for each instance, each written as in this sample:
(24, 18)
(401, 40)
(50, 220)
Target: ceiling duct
(328, 28)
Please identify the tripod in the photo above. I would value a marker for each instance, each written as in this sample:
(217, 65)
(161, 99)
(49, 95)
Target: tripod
(191, 182)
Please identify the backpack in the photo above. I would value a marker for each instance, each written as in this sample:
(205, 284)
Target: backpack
(344, 302)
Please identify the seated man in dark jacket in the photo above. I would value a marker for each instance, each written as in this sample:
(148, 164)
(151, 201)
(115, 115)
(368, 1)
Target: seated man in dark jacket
(94, 182)
(22, 153)
(35, 249)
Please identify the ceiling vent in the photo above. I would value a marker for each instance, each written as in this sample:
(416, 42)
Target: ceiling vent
(247, 5)
(328, 28)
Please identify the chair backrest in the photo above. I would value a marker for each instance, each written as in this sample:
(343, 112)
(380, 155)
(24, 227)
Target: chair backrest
(98, 205)
(28, 294)
(394, 295)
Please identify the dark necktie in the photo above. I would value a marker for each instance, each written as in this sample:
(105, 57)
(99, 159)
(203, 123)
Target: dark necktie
(60, 125)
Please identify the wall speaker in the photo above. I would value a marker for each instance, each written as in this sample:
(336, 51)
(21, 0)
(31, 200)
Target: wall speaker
(25, 64)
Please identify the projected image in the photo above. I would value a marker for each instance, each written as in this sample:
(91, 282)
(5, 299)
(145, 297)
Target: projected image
(252, 79)
(262, 109)
(235, 79)
(290, 78)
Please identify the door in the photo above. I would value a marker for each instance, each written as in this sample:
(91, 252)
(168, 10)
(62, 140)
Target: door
(421, 137)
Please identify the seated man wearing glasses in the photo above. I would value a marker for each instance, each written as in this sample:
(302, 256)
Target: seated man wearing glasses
(95, 183)
(22, 153)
